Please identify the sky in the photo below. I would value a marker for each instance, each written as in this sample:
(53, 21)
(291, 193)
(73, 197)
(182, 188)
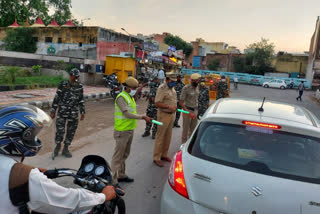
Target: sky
(289, 24)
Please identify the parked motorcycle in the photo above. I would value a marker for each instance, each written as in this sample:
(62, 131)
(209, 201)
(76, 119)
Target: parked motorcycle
(290, 85)
(94, 174)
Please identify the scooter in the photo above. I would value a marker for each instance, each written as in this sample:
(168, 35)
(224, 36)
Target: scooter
(290, 85)
(94, 174)
(115, 89)
(109, 79)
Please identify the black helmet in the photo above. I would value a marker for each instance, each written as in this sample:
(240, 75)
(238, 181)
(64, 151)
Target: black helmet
(19, 126)
(75, 72)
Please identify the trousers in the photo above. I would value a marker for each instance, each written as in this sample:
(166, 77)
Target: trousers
(121, 153)
(188, 126)
(163, 137)
(61, 123)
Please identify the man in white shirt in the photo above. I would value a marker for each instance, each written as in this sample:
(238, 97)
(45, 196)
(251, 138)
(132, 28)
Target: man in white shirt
(161, 76)
(25, 187)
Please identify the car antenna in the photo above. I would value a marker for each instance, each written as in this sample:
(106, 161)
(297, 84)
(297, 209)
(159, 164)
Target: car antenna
(261, 108)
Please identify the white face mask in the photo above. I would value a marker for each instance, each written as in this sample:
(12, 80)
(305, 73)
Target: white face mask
(132, 92)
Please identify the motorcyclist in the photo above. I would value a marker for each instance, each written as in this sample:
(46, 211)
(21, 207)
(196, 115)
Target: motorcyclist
(25, 187)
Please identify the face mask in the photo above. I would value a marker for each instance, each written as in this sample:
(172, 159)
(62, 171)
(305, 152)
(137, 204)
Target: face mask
(132, 92)
(171, 84)
(194, 84)
(203, 83)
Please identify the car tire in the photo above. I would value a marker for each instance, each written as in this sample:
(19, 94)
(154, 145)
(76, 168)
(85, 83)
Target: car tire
(282, 87)
(266, 86)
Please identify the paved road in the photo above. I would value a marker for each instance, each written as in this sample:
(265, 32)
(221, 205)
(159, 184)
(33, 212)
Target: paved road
(143, 196)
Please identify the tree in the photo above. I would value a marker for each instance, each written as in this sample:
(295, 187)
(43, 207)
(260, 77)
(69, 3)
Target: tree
(259, 56)
(179, 44)
(20, 40)
(32, 9)
(239, 64)
(214, 65)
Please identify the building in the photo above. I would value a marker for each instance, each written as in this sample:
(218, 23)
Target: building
(291, 63)
(313, 67)
(81, 42)
(202, 48)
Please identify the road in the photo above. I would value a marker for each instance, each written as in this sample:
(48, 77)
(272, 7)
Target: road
(95, 136)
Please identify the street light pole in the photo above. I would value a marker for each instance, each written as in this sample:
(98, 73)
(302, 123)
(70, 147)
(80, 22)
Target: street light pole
(129, 38)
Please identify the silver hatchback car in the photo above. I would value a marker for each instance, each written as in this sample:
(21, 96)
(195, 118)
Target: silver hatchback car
(248, 160)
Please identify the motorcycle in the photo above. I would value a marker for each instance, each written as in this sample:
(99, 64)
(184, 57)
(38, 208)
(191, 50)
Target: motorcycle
(290, 85)
(112, 82)
(94, 174)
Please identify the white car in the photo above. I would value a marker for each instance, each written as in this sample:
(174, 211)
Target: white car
(275, 84)
(245, 161)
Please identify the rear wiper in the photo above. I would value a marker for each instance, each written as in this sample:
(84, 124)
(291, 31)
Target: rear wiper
(258, 167)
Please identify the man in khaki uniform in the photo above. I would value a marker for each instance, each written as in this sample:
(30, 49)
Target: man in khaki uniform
(125, 117)
(189, 102)
(166, 102)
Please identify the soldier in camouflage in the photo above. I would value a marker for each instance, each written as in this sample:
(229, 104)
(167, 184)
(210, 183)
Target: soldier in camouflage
(151, 109)
(68, 101)
(222, 88)
(178, 87)
(203, 100)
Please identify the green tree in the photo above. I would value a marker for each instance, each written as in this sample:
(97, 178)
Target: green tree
(32, 9)
(214, 65)
(179, 44)
(239, 64)
(259, 56)
(20, 40)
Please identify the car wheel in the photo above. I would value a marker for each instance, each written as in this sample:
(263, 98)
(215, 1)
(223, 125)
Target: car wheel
(266, 86)
(282, 87)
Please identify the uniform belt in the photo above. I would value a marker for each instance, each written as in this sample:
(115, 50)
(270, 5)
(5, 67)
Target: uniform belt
(167, 112)
(191, 109)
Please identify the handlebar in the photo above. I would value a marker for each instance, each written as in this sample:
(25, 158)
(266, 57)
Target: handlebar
(94, 184)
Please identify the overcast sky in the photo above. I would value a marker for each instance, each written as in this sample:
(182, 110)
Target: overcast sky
(289, 24)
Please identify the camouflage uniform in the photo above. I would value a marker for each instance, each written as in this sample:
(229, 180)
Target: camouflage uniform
(152, 110)
(222, 89)
(178, 87)
(68, 100)
(203, 100)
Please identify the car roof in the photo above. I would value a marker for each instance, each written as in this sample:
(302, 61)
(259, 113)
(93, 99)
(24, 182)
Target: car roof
(272, 109)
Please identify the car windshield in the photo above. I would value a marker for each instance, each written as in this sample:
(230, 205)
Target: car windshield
(261, 150)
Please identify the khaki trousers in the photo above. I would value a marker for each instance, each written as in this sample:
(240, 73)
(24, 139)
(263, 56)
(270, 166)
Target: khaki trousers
(163, 137)
(121, 153)
(188, 126)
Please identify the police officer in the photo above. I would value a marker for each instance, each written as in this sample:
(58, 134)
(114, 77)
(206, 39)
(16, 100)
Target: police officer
(166, 102)
(189, 102)
(69, 101)
(178, 87)
(152, 109)
(203, 100)
(25, 187)
(125, 118)
(222, 88)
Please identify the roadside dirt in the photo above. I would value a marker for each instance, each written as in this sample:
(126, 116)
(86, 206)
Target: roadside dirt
(99, 115)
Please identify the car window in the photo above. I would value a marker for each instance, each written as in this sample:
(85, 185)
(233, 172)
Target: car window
(261, 150)
(273, 81)
(280, 81)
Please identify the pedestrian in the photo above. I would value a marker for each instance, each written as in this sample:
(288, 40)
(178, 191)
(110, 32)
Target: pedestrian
(222, 88)
(301, 87)
(189, 102)
(125, 117)
(178, 87)
(68, 101)
(166, 102)
(152, 109)
(235, 82)
(161, 76)
(204, 99)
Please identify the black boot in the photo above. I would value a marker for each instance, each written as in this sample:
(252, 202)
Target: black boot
(57, 150)
(153, 136)
(66, 151)
(146, 134)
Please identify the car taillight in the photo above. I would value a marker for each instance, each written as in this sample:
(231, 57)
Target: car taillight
(176, 176)
(264, 125)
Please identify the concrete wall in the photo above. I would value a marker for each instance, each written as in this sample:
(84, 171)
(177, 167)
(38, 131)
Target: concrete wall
(291, 63)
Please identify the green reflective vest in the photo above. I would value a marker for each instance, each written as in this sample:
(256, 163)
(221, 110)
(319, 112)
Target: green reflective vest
(121, 123)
